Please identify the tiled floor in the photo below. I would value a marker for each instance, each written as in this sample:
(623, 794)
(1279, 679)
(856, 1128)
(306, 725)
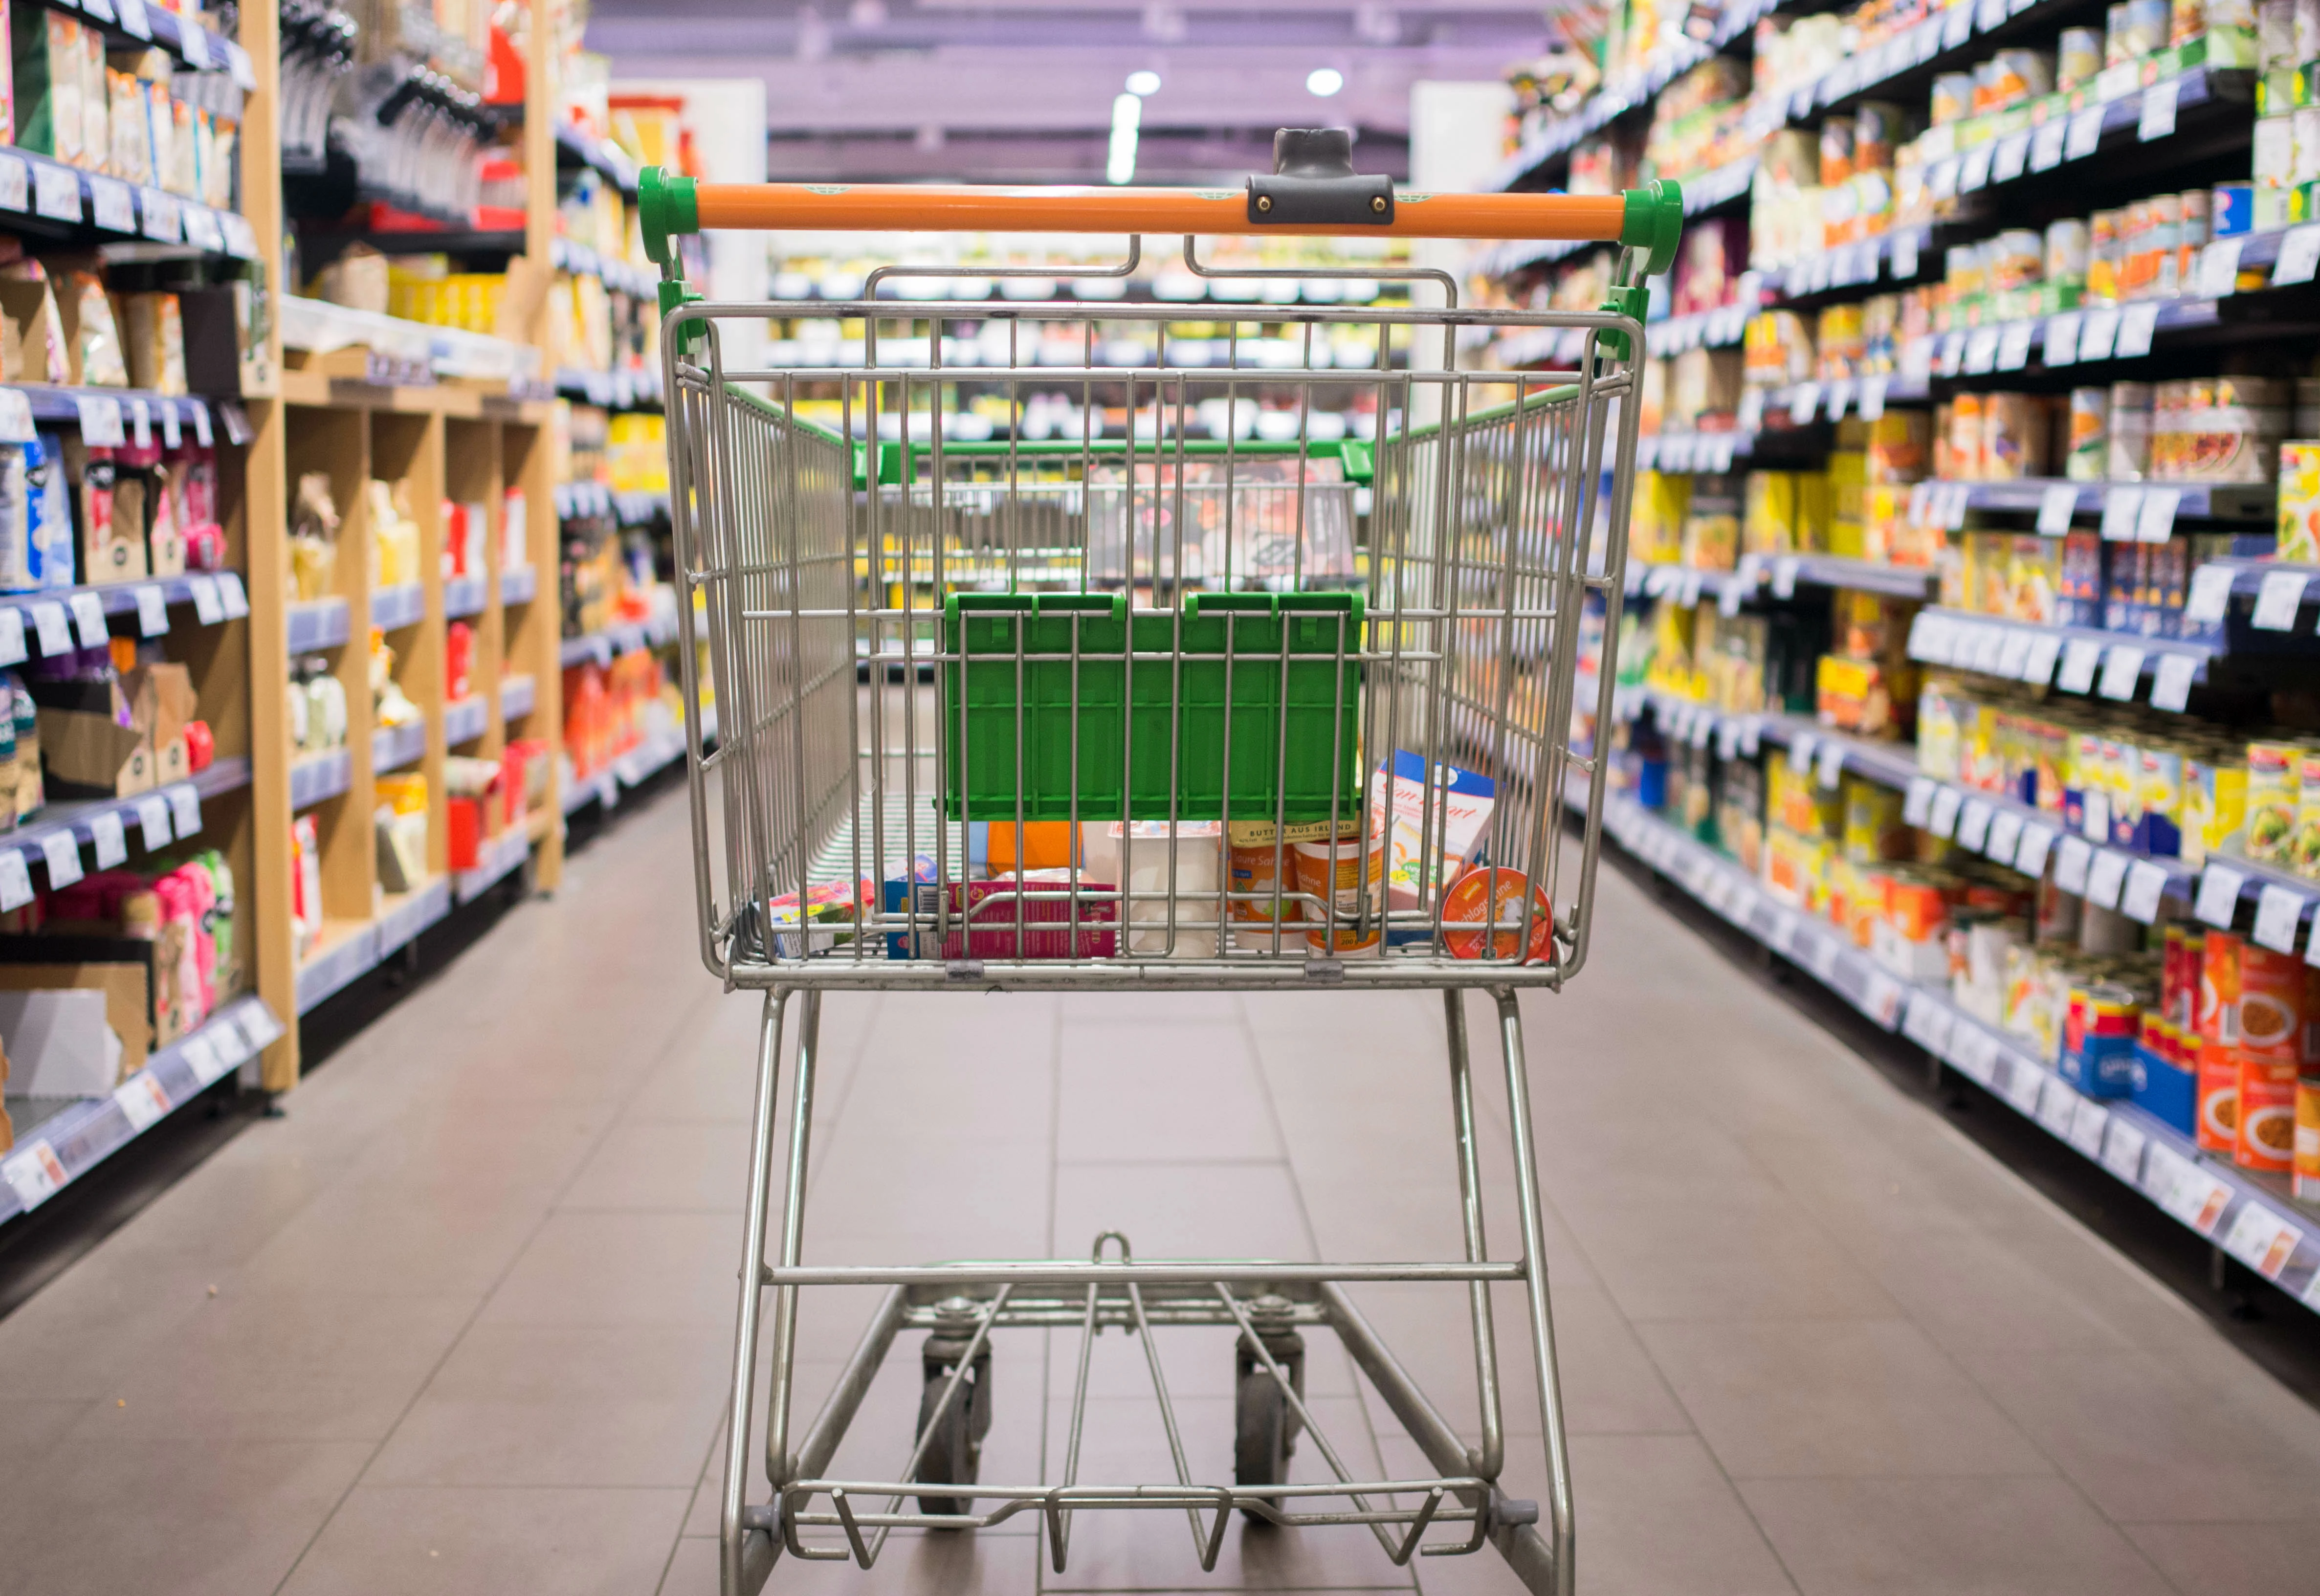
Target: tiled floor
(460, 1322)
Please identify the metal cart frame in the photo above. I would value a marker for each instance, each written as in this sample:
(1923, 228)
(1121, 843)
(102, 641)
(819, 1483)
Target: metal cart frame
(787, 540)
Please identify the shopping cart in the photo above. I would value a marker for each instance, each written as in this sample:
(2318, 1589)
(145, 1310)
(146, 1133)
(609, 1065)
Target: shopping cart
(1138, 708)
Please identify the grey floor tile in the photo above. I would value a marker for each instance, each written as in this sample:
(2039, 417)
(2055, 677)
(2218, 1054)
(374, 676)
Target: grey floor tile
(1944, 1537)
(527, 1403)
(1736, 1259)
(385, 1239)
(251, 1366)
(623, 1268)
(403, 1540)
(1858, 1397)
(1183, 1210)
(2143, 1443)
(1150, 1093)
(658, 1166)
(2231, 1558)
(197, 1517)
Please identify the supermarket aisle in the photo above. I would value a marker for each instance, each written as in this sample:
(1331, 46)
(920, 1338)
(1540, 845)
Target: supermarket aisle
(459, 1323)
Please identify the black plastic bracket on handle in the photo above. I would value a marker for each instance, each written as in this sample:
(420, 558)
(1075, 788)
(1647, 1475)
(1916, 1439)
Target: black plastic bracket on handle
(1313, 184)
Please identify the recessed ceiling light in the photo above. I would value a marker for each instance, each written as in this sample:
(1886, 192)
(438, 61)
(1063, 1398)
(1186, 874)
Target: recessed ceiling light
(1325, 81)
(1144, 83)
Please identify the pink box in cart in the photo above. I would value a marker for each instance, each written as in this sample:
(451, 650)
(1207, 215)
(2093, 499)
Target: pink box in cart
(1047, 908)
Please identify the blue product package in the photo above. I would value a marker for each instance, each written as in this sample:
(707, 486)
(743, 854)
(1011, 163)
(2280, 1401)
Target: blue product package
(2230, 210)
(2167, 1092)
(51, 540)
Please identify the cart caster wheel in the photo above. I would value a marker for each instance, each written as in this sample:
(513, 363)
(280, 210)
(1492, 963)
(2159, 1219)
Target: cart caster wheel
(954, 1452)
(1264, 1425)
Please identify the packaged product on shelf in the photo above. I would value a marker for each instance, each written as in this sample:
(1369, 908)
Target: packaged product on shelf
(2130, 432)
(2016, 428)
(1711, 525)
(154, 335)
(45, 60)
(2090, 441)
(2305, 1180)
(2274, 774)
(2098, 1034)
(305, 884)
(459, 660)
(2223, 429)
(2219, 1040)
(145, 509)
(394, 537)
(2279, 1013)
(2299, 500)
(475, 808)
(109, 552)
(2078, 57)
(2062, 269)
(93, 352)
(399, 823)
(314, 537)
(36, 347)
(1660, 502)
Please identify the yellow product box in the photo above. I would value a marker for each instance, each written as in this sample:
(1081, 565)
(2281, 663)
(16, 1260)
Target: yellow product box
(1873, 827)
(1836, 526)
(1768, 520)
(1655, 526)
(1864, 695)
(2304, 851)
(1816, 499)
(2299, 501)
(2274, 774)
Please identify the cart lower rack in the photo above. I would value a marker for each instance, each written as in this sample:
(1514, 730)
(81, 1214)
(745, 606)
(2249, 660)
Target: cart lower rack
(1156, 707)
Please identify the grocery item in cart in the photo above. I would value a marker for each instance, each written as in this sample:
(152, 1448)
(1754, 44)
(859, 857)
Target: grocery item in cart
(1234, 521)
(1411, 803)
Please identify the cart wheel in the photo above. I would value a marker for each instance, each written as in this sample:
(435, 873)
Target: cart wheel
(954, 1452)
(1260, 1435)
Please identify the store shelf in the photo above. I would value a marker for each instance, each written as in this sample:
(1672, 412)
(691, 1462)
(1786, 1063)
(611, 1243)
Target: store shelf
(465, 719)
(318, 624)
(464, 597)
(348, 952)
(72, 618)
(649, 757)
(394, 608)
(2117, 501)
(1778, 575)
(2246, 1214)
(56, 1149)
(2284, 901)
(393, 746)
(320, 328)
(517, 696)
(519, 584)
(54, 197)
(601, 787)
(319, 776)
(495, 860)
(579, 500)
(56, 833)
(576, 148)
(2076, 659)
(609, 390)
(602, 646)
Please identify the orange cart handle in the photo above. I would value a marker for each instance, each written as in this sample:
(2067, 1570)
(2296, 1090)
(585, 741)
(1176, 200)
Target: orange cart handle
(668, 204)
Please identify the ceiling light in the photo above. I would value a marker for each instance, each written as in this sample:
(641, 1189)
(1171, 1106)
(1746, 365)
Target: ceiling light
(1126, 113)
(1144, 83)
(1325, 81)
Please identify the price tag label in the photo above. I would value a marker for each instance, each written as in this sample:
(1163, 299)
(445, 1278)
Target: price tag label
(202, 229)
(1829, 762)
(1752, 736)
(15, 417)
(1904, 255)
(2005, 836)
(1840, 398)
(2079, 657)
(2085, 134)
(2012, 154)
(2088, 1119)
(1957, 26)
(201, 1055)
(2276, 601)
(153, 817)
(152, 611)
(132, 18)
(185, 809)
(100, 420)
(1942, 178)
(51, 624)
(2122, 514)
(2025, 1082)
(2014, 345)
(2047, 145)
(2122, 668)
(111, 206)
(1973, 171)
(2095, 821)
(2219, 896)
(56, 192)
(2098, 330)
(1751, 417)
(2137, 323)
(1802, 745)
(1927, 1023)
(2276, 911)
(2262, 1240)
(195, 39)
(2105, 875)
(156, 215)
(1804, 400)
(1689, 589)
(1784, 578)
(61, 850)
(1973, 824)
(141, 1099)
(232, 1046)
(2171, 690)
(2122, 1152)
(110, 839)
(2063, 339)
(15, 184)
(1918, 802)
(35, 1175)
(2146, 884)
(1953, 355)
(207, 605)
(2210, 595)
(171, 438)
(1942, 821)
(1872, 396)
(1981, 351)
(2219, 269)
(199, 415)
(2155, 521)
(15, 880)
(2070, 863)
(2056, 507)
(2158, 118)
(2058, 1106)
(141, 423)
(88, 619)
(2299, 257)
(2038, 665)
(232, 595)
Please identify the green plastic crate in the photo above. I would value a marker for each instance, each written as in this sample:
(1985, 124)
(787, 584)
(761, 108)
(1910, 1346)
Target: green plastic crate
(1288, 735)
